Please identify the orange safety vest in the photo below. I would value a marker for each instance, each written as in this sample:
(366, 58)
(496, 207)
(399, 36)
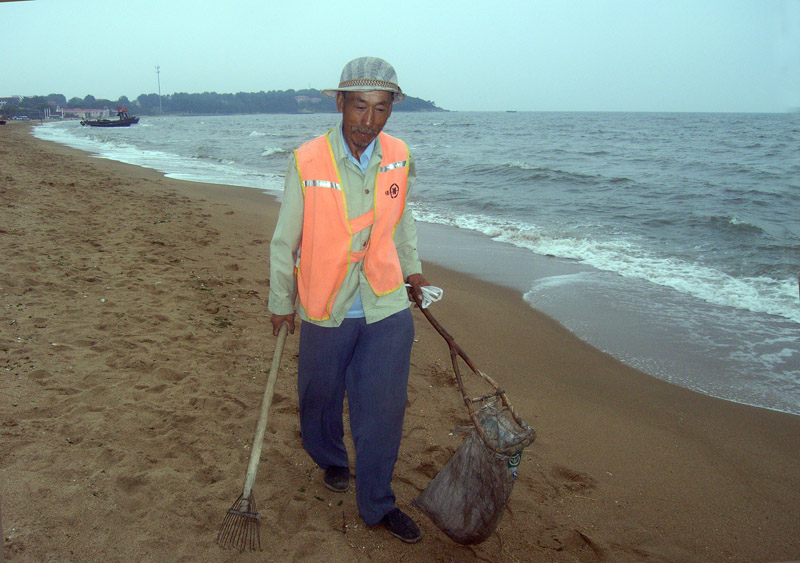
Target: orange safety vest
(325, 254)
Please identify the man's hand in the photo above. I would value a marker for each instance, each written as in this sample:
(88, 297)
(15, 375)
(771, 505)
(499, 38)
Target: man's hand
(416, 281)
(278, 320)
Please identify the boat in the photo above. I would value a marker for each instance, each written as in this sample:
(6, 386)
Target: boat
(121, 122)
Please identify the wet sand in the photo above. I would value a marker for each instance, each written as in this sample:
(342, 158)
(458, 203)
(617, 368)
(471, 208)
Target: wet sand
(134, 348)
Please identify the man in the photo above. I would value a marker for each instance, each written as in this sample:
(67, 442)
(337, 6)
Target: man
(345, 241)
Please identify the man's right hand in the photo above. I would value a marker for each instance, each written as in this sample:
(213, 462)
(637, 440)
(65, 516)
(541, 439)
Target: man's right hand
(278, 320)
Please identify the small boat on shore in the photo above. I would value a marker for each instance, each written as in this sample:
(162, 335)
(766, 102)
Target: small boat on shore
(121, 122)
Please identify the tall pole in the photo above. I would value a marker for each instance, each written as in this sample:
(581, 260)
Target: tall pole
(158, 74)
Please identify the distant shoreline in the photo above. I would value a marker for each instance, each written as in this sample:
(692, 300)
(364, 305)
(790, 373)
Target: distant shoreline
(207, 103)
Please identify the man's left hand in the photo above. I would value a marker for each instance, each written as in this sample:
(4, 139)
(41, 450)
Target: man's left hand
(416, 281)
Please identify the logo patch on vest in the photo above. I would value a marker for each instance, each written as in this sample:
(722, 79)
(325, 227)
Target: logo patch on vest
(394, 191)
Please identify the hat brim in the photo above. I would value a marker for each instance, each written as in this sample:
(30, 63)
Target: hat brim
(332, 92)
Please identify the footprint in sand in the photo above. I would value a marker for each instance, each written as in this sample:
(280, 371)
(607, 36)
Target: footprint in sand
(166, 374)
(41, 376)
(573, 480)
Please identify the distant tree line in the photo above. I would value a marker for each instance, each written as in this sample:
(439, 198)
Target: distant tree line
(207, 103)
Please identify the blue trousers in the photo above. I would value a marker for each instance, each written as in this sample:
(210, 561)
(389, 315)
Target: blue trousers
(370, 363)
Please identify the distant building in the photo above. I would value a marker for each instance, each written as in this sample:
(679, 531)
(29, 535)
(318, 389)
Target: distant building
(4, 101)
(85, 113)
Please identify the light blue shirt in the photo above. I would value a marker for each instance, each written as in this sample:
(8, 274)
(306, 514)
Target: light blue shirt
(357, 309)
(365, 156)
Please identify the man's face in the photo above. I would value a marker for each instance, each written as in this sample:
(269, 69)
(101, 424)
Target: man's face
(363, 116)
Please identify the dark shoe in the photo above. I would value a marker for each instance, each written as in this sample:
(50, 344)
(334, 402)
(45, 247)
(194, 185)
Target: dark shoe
(401, 526)
(337, 479)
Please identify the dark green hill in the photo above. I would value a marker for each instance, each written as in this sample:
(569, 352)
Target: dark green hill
(207, 103)
(280, 101)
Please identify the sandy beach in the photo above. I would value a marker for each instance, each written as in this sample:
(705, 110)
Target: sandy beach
(134, 349)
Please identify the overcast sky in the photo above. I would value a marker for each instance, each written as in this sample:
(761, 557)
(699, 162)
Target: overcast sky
(562, 55)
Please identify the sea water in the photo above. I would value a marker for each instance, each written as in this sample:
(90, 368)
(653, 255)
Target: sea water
(668, 240)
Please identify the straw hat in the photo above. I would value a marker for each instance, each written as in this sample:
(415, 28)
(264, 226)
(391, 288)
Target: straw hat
(365, 74)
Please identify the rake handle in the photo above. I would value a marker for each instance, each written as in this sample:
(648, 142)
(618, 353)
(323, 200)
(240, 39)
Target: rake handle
(263, 418)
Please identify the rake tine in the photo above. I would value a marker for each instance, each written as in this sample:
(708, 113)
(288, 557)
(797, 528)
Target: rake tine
(240, 528)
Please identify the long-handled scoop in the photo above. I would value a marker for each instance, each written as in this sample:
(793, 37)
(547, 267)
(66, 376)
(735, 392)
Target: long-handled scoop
(240, 526)
(525, 435)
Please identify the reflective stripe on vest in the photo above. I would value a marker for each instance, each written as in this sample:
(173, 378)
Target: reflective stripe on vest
(328, 232)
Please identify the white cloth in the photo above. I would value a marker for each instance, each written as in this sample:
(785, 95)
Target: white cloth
(430, 294)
